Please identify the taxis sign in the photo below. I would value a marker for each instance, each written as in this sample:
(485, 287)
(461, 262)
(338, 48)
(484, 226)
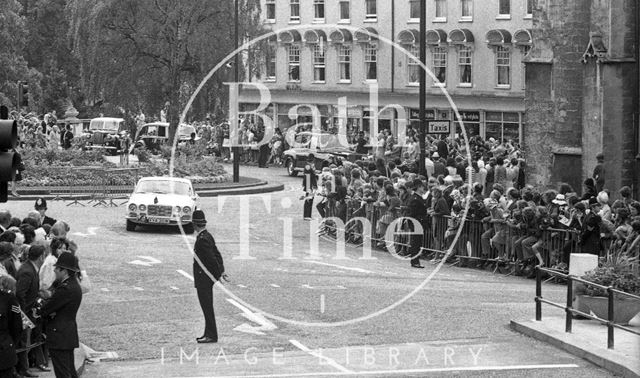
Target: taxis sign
(438, 127)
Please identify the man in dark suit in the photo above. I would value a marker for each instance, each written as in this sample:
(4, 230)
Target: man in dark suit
(27, 288)
(60, 312)
(10, 326)
(416, 210)
(41, 206)
(207, 267)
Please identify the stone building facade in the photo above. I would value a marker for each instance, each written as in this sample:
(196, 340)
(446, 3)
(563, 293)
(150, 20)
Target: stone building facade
(582, 92)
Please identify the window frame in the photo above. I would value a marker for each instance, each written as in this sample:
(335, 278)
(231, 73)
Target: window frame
(439, 54)
(467, 63)
(498, 51)
(504, 16)
(370, 58)
(342, 20)
(528, 13)
(469, 17)
(414, 19)
(271, 58)
(412, 64)
(317, 5)
(443, 8)
(270, 4)
(319, 61)
(347, 60)
(370, 17)
(291, 63)
(294, 4)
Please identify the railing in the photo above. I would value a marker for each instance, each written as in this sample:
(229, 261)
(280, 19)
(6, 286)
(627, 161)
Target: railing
(554, 245)
(570, 311)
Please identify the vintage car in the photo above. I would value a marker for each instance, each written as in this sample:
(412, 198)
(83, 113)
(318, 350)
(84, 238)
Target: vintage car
(109, 134)
(156, 134)
(325, 147)
(160, 201)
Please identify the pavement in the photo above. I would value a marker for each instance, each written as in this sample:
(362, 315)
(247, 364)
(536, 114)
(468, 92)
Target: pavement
(588, 340)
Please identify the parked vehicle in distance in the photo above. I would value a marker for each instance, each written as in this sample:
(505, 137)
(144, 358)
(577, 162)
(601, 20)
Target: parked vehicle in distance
(162, 201)
(325, 147)
(109, 134)
(154, 135)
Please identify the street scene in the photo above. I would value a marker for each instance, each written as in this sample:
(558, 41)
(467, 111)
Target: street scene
(319, 188)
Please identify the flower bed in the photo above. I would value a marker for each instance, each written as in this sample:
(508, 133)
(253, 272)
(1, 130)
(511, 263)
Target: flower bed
(86, 168)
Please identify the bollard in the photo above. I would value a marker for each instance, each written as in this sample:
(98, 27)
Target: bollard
(538, 294)
(569, 316)
(611, 317)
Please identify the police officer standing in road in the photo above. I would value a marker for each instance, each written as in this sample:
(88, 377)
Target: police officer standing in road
(207, 263)
(10, 326)
(60, 312)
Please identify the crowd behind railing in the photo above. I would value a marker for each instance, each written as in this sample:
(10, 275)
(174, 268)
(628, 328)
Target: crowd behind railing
(29, 251)
(505, 222)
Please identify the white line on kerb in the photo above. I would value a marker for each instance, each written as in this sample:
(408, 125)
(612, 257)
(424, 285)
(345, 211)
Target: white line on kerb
(405, 372)
(330, 361)
(190, 277)
(359, 270)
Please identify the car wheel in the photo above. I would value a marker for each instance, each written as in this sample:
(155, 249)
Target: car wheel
(291, 168)
(131, 226)
(188, 228)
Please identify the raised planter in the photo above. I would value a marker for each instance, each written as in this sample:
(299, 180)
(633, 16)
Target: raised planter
(624, 309)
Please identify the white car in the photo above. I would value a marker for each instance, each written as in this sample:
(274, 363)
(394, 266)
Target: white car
(158, 201)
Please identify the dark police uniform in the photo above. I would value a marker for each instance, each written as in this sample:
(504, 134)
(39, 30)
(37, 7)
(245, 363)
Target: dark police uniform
(10, 331)
(417, 210)
(207, 252)
(62, 329)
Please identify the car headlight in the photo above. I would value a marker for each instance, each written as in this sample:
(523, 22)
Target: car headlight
(133, 207)
(186, 210)
(178, 209)
(142, 207)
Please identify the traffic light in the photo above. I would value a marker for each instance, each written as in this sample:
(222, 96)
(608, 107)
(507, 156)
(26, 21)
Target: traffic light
(23, 94)
(8, 159)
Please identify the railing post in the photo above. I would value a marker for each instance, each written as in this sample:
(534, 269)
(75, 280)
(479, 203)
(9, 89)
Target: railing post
(538, 294)
(611, 317)
(569, 316)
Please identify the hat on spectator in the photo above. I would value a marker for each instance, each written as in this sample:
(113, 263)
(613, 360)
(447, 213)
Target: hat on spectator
(603, 197)
(560, 200)
(435, 155)
(198, 218)
(40, 204)
(67, 261)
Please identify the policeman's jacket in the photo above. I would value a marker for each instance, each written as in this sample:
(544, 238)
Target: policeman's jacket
(416, 207)
(10, 329)
(206, 250)
(61, 310)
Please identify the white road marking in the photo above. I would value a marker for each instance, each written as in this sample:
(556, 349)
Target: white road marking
(94, 356)
(322, 303)
(105, 289)
(306, 286)
(359, 270)
(138, 288)
(329, 361)
(151, 260)
(190, 277)
(407, 371)
(91, 231)
(241, 286)
(265, 324)
(174, 288)
(139, 262)
(274, 285)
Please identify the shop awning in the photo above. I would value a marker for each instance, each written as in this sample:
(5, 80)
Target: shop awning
(409, 37)
(461, 37)
(314, 36)
(365, 35)
(436, 37)
(498, 37)
(523, 38)
(289, 36)
(340, 36)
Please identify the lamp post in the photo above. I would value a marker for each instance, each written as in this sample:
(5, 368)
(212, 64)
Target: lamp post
(236, 149)
(423, 84)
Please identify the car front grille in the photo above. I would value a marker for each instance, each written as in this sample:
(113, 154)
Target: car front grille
(159, 211)
(98, 138)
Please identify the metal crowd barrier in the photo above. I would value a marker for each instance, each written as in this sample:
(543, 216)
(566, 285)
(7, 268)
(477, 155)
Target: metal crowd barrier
(103, 191)
(439, 232)
(569, 306)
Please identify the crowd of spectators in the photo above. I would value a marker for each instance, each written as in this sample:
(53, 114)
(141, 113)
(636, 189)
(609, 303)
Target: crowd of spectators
(29, 249)
(507, 220)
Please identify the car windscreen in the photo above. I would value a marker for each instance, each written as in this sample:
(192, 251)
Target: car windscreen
(330, 141)
(111, 125)
(163, 187)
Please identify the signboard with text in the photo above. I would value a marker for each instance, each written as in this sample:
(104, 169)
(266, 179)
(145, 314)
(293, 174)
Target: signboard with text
(438, 127)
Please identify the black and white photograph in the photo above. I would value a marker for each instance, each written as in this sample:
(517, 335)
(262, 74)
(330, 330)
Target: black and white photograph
(319, 188)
